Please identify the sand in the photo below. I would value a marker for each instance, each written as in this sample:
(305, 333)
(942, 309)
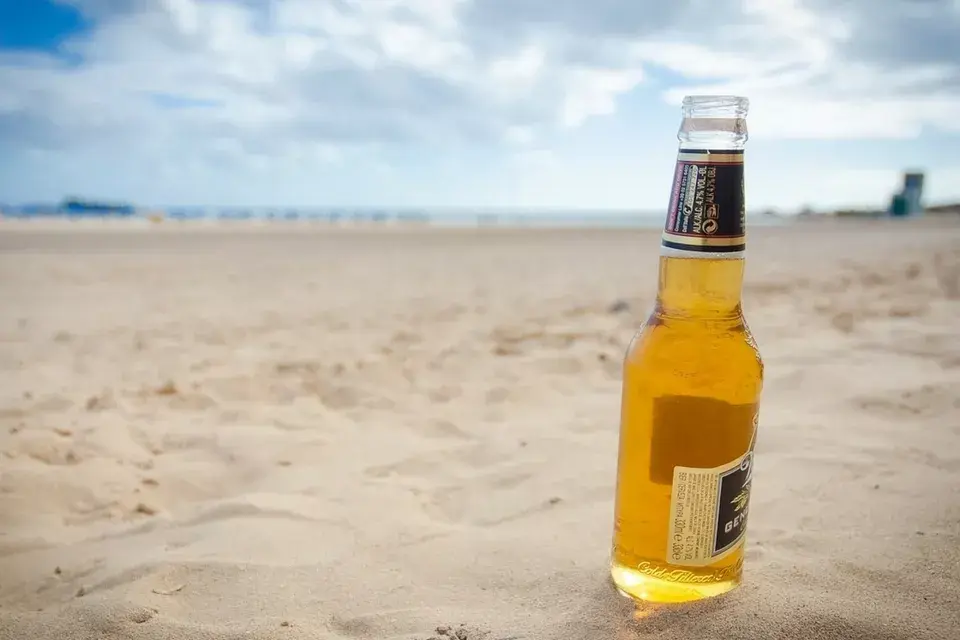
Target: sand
(298, 432)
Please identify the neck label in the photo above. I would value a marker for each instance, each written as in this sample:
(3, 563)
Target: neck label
(707, 212)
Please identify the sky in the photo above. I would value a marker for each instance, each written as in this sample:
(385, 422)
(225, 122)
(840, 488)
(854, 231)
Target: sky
(526, 104)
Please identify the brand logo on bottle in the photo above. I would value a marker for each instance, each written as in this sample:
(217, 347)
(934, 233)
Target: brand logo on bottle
(683, 575)
(706, 211)
(733, 504)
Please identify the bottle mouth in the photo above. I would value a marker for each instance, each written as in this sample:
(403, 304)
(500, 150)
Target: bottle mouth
(715, 106)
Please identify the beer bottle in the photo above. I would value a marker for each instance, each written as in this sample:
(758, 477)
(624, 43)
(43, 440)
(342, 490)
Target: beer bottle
(692, 378)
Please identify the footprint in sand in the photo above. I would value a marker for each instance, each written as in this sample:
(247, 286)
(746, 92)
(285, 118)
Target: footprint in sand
(473, 484)
(488, 501)
(947, 271)
(926, 401)
(443, 429)
(943, 348)
(50, 448)
(433, 463)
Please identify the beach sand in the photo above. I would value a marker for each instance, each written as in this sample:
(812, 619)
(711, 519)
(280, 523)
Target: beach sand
(299, 432)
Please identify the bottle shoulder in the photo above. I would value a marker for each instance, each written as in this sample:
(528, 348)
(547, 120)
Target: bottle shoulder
(691, 344)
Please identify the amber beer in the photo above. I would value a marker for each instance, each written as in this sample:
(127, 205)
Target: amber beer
(691, 382)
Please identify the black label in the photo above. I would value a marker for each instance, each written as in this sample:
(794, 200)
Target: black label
(733, 504)
(707, 212)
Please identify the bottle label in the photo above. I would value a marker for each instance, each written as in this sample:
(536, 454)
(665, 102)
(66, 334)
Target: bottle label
(707, 206)
(708, 510)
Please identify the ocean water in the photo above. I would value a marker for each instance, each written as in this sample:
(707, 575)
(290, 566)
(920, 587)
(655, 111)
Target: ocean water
(387, 216)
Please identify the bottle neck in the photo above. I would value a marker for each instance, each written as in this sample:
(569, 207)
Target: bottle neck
(704, 237)
(699, 288)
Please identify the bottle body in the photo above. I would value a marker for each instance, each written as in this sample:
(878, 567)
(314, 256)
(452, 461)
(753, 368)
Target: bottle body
(692, 379)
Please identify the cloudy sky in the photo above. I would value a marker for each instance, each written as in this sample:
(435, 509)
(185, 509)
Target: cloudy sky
(515, 103)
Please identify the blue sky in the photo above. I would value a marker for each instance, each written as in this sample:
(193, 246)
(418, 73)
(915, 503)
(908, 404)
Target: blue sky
(500, 103)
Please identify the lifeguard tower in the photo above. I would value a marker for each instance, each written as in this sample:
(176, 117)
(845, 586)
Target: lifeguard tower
(909, 200)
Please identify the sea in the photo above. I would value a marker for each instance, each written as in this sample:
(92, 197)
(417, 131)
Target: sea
(437, 217)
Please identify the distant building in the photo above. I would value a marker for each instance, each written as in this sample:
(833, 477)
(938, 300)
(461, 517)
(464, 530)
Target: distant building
(78, 207)
(909, 200)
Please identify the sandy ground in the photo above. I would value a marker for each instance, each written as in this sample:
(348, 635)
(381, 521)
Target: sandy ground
(298, 432)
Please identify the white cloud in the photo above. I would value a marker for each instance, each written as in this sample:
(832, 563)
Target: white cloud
(594, 92)
(320, 81)
(813, 74)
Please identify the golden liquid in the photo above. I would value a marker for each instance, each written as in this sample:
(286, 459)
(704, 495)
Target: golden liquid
(694, 356)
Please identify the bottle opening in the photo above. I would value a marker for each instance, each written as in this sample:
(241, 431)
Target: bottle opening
(714, 122)
(715, 107)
